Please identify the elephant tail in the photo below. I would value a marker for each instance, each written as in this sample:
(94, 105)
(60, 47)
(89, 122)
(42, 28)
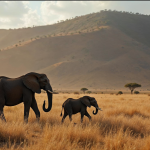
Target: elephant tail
(61, 111)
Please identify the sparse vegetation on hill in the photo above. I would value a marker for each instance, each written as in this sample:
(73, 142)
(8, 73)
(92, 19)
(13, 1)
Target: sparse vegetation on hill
(82, 24)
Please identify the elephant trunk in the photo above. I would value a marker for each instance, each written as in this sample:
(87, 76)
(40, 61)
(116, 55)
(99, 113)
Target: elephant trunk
(97, 108)
(95, 112)
(49, 102)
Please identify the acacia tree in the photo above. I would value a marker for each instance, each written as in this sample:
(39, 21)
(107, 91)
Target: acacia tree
(132, 86)
(84, 89)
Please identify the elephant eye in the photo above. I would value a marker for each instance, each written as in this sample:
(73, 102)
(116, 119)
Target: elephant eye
(45, 82)
(94, 101)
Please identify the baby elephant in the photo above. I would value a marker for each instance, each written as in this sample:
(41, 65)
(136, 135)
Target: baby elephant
(73, 106)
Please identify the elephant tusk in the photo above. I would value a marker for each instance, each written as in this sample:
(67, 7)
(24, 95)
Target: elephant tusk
(99, 108)
(52, 92)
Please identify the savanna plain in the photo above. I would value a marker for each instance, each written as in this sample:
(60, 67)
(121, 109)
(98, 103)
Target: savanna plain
(124, 124)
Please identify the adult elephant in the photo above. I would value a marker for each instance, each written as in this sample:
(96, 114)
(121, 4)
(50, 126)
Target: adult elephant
(22, 89)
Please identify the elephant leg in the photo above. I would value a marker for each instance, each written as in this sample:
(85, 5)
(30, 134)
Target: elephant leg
(64, 116)
(87, 114)
(35, 109)
(70, 115)
(82, 115)
(26, 112)
(2, 103)
(69, 111)
(27, 105)
(2, 114)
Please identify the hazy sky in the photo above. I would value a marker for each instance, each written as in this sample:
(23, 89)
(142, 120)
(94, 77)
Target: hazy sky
(17, 14)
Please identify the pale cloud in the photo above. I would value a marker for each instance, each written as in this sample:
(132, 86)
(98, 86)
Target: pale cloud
(31, 18)
(26, 2)
(130, 6)
(17, 14)
(12, 9)
(11, 13)
(53, 11)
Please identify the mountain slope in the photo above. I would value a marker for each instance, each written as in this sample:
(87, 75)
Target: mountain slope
(135, 26)
(102, 59)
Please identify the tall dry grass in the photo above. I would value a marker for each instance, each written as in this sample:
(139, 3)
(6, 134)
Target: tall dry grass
(124, 124)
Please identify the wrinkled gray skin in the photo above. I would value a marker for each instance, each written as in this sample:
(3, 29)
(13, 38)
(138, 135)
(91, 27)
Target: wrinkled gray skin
(73, 106)
(14, 91)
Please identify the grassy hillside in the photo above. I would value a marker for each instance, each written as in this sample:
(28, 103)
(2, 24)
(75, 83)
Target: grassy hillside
(134, 25)
(97, 51)
(71, 26)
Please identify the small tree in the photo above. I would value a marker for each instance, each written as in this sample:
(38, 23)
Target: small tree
(132, 86)
(84, 89)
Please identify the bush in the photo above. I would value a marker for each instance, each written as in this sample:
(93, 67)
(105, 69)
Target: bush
(89, 92)
(76, 92)
(136, 92)
(119, 93)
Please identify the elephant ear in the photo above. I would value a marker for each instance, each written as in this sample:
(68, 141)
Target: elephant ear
(85, 101)
(31, 82)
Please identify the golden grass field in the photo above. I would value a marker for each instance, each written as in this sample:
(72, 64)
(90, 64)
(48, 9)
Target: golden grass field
(124, 124)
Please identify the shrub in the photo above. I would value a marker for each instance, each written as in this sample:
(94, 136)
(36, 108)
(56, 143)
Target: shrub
(76, 92)
(136, 92)
(89, 92)
(119, 93)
